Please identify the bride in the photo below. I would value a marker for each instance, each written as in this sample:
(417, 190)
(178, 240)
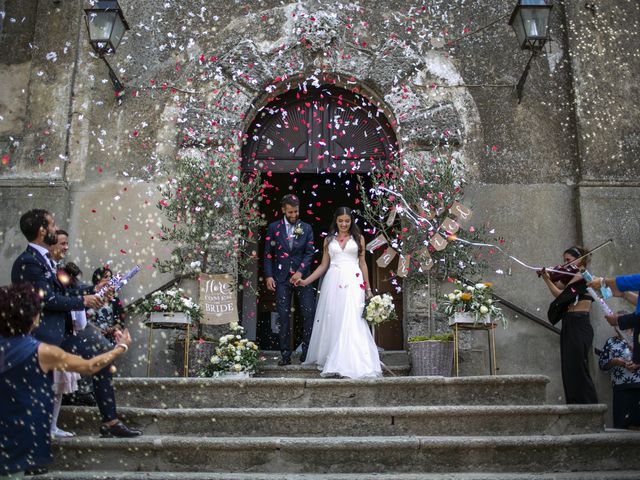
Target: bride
(341, 343)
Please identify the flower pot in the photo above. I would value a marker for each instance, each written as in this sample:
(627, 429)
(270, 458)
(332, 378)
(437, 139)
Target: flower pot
(431, 357)
(469, 318)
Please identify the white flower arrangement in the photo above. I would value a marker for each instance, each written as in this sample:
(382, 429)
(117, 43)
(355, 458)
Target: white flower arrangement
(379, 309)
(234, 354)
(172, 300)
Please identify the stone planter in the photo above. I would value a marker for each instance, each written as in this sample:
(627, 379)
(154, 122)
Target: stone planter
(469, 318)
(431, 357)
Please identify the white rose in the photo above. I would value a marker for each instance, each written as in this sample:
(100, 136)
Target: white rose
(484, 310)
(470, 288)
(237, 367)
(480, 286)
(451, 297)
(233, 325)
(215, 359)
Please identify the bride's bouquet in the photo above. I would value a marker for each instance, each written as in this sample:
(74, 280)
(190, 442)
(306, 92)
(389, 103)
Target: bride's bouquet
(379, 309)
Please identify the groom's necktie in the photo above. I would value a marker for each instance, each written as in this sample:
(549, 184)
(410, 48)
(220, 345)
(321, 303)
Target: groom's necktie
(290, 234)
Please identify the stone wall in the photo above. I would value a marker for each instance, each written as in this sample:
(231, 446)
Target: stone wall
(557, 169)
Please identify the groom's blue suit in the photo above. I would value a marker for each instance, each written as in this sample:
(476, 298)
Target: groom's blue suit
(281, 261)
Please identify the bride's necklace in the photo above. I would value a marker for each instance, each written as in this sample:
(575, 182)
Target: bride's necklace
(343, 239)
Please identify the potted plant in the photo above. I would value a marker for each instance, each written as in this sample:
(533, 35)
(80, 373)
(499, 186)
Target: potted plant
(235, 356)
(471, 304)
(431, 355)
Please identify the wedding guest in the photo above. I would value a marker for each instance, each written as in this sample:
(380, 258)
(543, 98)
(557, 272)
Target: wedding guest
(26, 378)
(624, 286)
(616, 357)
(572, 305)
(110, 316)
(34, 266)
(64, 382)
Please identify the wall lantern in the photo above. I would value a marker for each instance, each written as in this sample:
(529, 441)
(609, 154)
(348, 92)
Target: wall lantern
(106, 26)
(530, 21)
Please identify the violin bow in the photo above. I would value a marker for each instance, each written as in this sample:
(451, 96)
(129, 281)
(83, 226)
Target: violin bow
(589, 252)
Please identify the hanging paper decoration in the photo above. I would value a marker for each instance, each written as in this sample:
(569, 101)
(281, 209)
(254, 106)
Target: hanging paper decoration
(460, 211)
(403, 265)
(424, 259)
(438, 242)
(376, 243)
(385, 259)
(449, 225)
(392, 217)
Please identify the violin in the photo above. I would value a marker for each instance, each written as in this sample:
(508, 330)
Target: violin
(561, 273)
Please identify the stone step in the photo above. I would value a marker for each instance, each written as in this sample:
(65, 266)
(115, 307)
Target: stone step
(406, 454)
(388, 357)
(105, 475)
(310, 371)
(395, 363)
(300, 392)
(357, 421)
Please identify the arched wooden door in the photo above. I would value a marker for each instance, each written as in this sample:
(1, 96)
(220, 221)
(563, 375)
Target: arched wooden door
(314, 143)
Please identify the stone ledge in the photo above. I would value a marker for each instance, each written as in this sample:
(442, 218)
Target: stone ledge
(354, 421)
(300, 392)
(411, 454)
(601, 475)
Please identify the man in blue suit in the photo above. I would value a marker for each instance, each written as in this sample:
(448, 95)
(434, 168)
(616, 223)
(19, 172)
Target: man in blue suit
(36, 266)
(288, 254)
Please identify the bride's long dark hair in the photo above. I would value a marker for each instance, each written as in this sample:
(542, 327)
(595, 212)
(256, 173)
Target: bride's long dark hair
(354, 230)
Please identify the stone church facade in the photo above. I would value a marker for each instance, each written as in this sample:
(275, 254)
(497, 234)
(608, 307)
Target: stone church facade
(555, 170)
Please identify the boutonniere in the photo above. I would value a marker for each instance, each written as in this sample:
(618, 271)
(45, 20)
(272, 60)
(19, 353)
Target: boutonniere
(297, 230)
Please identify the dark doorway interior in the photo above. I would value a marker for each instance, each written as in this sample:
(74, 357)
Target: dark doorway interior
(320, 195)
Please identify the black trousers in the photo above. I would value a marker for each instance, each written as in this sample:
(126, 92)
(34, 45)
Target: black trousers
(576, 337)
(307, 301)
(626, 406)
(88, 343)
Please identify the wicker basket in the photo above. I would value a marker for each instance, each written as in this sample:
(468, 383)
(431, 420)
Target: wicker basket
(431, 357)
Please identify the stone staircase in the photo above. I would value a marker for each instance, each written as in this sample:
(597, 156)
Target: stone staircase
(395, 363)
(398, 427)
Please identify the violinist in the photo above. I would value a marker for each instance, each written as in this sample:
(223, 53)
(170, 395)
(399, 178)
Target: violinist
(571, 306)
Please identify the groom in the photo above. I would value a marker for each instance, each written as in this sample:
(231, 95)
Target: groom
(288, 253)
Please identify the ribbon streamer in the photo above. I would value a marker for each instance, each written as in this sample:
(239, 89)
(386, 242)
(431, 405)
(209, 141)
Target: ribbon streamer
(407, 209)
(515, 259)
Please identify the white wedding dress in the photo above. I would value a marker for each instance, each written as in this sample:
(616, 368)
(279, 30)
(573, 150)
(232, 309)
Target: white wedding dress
(341, 343)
